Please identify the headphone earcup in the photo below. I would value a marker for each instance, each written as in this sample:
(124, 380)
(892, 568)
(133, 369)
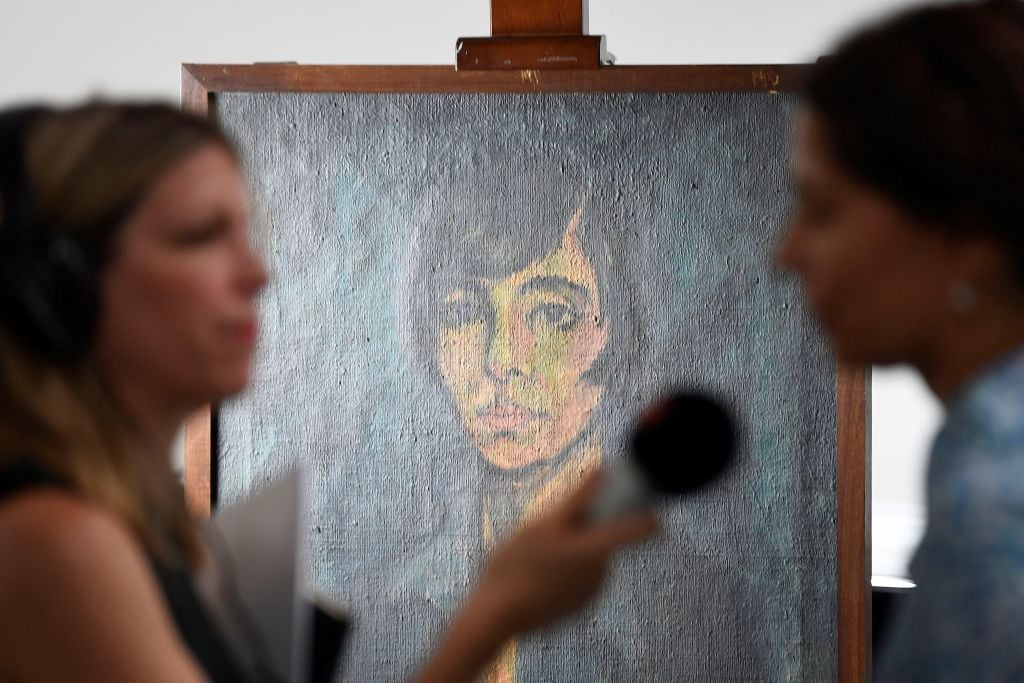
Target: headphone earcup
(48, 297)
(54, 302)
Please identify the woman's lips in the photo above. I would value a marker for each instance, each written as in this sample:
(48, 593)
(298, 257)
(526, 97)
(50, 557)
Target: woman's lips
(246, 332)
(506, 418)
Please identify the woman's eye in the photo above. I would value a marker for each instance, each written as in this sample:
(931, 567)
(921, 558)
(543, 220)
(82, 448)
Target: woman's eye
(199, 235)
(562, 317)
(816, 213)
(462, 311)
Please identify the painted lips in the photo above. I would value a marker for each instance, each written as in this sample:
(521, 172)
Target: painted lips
(506, 418)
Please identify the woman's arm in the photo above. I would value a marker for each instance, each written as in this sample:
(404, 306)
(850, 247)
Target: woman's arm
(78, 599)
(548, 570)
(473, 639)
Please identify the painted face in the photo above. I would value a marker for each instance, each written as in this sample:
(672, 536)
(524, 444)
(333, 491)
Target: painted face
(178, 298)
(513, 353)
(877, 278)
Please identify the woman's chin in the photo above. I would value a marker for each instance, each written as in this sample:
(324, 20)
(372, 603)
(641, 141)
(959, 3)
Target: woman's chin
(850, 350)
(229, 384)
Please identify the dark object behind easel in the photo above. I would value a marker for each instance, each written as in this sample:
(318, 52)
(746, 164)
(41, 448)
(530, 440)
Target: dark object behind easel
(886, 604)
(329, 633)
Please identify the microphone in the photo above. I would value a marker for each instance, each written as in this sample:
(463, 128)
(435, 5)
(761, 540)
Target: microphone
(682, 443)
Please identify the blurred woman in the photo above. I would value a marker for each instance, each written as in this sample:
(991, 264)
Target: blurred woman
(909, 238)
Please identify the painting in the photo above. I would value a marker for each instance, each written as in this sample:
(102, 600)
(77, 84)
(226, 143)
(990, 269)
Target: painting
(473, 297)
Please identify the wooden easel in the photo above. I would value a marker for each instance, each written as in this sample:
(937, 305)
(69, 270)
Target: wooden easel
(541, 46)
(533, 34)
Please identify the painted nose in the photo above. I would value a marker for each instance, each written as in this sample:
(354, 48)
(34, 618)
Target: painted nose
(506, 350)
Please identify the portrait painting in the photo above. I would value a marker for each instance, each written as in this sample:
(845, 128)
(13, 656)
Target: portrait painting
(473, 298)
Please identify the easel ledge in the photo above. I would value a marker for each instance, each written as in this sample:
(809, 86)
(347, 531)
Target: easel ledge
(202, 81)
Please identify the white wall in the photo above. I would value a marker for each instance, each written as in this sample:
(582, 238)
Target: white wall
(64, 50)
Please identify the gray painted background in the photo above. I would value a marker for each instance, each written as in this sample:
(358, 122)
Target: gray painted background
(690, 193)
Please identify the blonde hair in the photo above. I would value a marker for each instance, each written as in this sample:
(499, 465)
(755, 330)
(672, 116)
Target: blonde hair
(87, 169)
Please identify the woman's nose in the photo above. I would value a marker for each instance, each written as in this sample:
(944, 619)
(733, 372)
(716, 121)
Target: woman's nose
(253, 273)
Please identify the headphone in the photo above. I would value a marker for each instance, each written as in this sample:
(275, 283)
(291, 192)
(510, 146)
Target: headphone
(48, 293)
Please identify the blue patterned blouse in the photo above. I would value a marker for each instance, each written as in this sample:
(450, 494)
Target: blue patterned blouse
(965, 619)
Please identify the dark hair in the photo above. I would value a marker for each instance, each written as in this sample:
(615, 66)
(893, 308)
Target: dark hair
(928, 108)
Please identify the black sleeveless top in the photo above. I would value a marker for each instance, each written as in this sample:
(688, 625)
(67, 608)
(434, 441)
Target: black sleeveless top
(196, 628)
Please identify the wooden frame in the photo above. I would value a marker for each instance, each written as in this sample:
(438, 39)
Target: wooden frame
(201, 85)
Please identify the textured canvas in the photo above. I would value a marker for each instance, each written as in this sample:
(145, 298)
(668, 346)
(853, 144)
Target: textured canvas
(473, 297)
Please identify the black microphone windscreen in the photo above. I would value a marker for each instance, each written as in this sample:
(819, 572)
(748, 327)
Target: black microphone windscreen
(684, 442)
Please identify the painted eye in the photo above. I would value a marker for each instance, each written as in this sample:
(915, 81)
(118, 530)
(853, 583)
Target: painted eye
(463, 310)
(562, 317)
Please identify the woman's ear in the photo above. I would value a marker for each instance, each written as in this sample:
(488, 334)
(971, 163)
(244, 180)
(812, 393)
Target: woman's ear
(986, 265)
(982, 274)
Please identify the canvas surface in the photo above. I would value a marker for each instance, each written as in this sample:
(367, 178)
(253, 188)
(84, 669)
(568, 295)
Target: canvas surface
(473, 297)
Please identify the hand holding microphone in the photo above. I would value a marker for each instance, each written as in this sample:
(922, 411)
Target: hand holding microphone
(546, 571)
(558, 561)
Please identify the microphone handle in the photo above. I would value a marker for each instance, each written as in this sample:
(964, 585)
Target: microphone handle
(624, 491)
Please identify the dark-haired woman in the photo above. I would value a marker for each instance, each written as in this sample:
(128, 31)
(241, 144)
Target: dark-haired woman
(909, 238)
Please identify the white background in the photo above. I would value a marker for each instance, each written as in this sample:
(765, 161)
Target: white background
(64, 50)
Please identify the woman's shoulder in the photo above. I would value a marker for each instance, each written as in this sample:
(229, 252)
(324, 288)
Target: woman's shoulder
(73, 567)
(51, 522)
(62, 548)
(42, 518)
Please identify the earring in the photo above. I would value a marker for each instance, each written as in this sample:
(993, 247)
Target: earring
(962, 296)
